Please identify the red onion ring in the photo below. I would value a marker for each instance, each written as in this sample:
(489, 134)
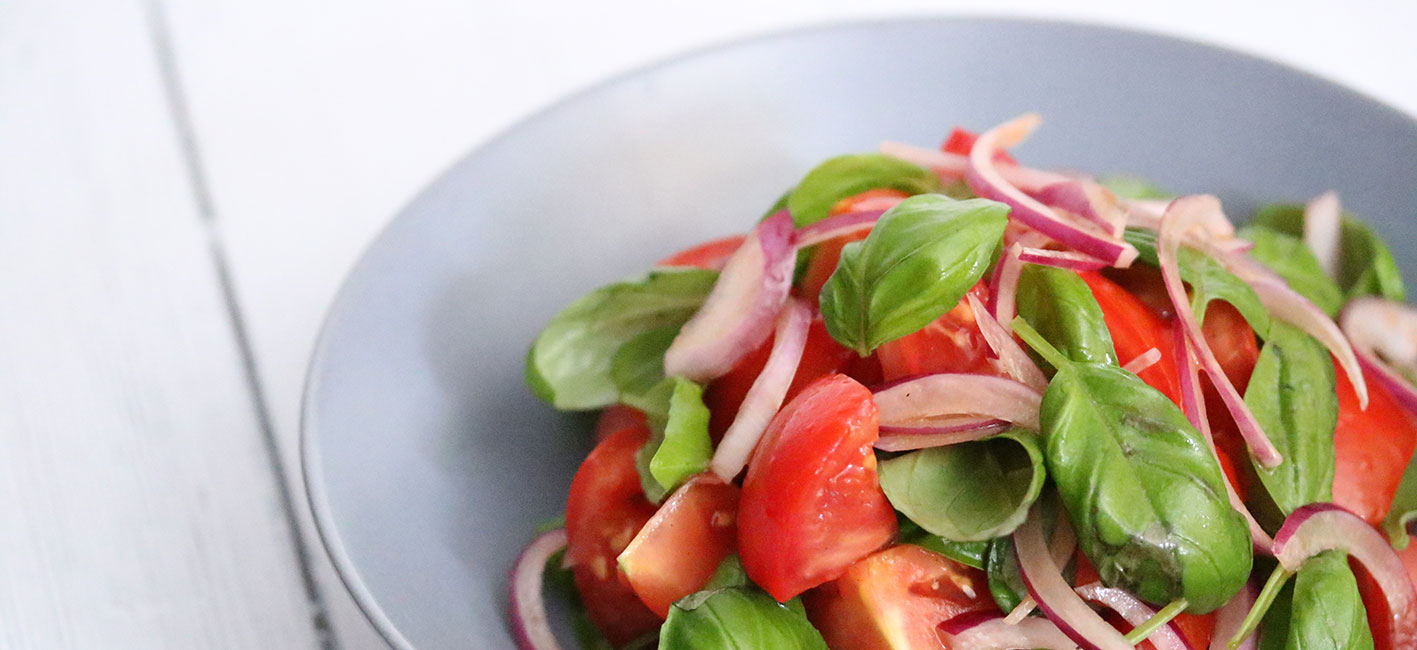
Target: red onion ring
(1003, 287)
(987, 631)
(1060, 548)
(838, 225)
(1011, 356)
(1054, 596)
(926, 400)
(966, 429)
(1230, 617)
(1070, 260)
(768, 391)
(953, 167)
(1381, 330)
(1143, 361)
(1319, 527)
(1184, 214)
(529, 622)
(1088, 200)
(738, 313)
(1133, 611)
(1396, 384)
(984, 178)
(1323, 217)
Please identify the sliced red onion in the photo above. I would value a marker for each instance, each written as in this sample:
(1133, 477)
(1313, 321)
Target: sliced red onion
(1011, 356)
(984, 178)
(987, 631)
(1143, 361)
(1133, 611)
(1396, 384)
(1230, 617)
(1320, 527)
(927, 400)
(841, 224)
(738, 313)
(1070, 260)
(1054, 596)
(967, 429)
(1184, 214)
(529, 622)
(1088, 200)
(1384, 334)
(1287, 305)
(1323, 217)
(953, 167)
(1193, 405)
(1022, 610)
(1145, 213)
(1003, 287)
(766, 394)
(1060, 548)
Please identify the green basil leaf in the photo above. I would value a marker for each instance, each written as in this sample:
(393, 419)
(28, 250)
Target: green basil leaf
(735, 619)
(845, 176)
(1291, 258)
(1404, 509)
(967, 553)
(569, 364)
(1325, 610)
(1365, 265)
(730, 573)
(680, 447)
(1005, 582)
(638, 368)
(1142, 489)
(918, 261)
(1134, 187)
(967, 492)
(1274, 629)
(1292, 393)
(1208, 281)
(1060, 306)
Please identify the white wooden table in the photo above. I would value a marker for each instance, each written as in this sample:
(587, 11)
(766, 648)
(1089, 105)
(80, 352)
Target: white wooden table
(183, 183)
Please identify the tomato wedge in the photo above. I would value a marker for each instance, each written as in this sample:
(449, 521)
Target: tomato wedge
(812, 504)
(950, 343)
(679, 548)
(896, 599)
(1373, 448)
(712, 254)
(1135, 329)
(604, 510)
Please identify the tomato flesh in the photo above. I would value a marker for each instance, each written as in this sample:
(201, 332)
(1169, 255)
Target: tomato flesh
(896, 599)
(1373, 448)
(679, 548)
(962, 140)
(604, 510)
(616, 417)
(1135, 329)
(712, 254)
(950, 343)
(812, 504)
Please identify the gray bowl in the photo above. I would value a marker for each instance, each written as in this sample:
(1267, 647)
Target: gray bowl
(428, 462)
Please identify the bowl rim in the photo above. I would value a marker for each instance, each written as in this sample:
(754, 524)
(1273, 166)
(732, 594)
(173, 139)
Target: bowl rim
(312, 473)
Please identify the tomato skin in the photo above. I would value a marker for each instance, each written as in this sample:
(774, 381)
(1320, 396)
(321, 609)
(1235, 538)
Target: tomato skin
(951, 343)
(616, 417)
(711, 255)
(679, 548)
(962, 140)
(896, 599)
(1233, 343)
(812, 504)
(1373, 448)
(604, 510)
(1135, 329)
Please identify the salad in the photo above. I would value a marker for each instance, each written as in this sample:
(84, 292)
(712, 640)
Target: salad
(936, 398)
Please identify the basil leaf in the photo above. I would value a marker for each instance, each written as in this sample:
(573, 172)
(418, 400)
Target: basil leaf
(967, 492)
(1365, 265)
(1325, 610)
(1005, 582)
(638, 368)
(569, 364)
(1060, 306)
(1399, 522)
(737, 618)
(1133, 187)
(1274, 629)
(730, 573)
(1208, 280)
(679, 447)
(1142, 489)
(918, 261)
(1291, 258)
(845, 176)
(967, 553)
(1292, 393)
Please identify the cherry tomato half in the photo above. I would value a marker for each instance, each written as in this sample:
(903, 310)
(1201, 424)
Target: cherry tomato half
(712, 254)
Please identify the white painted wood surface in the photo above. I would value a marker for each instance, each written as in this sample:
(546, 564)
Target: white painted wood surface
(141, 507)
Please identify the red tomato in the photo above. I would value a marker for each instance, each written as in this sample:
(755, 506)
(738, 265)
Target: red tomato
(604, 510)
(1135, 329)
(952, 343)
(679, 548)
(828, 253)
(812, 504)
(616, 417)
(896, 600)
(1373, 448)
(961, 141)
(710, 255)
(1233, 343)
(821, 356)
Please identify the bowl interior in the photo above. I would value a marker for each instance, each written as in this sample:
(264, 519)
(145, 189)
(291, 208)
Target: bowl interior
(428, 461)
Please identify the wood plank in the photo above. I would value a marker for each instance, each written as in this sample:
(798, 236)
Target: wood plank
(141, 510)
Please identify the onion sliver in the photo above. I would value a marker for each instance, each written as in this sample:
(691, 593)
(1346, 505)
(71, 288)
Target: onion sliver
(1135, 612)
(953, 167)
(1319, 527)
(1322, 218)
(1088, 200)
(919, 401)
(765, 396)
(966, 429)
(1003, 287)
(981, 631)
(1183, 214)
(738, 313)
(1287, 305)
(1396, 384)
(529, 622)
(1054, 596)
(1143, 361)
(985, 179)
(1383, 334)
(1230, 617)
(1011, 356)
(836, 226)
(1070, 260)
